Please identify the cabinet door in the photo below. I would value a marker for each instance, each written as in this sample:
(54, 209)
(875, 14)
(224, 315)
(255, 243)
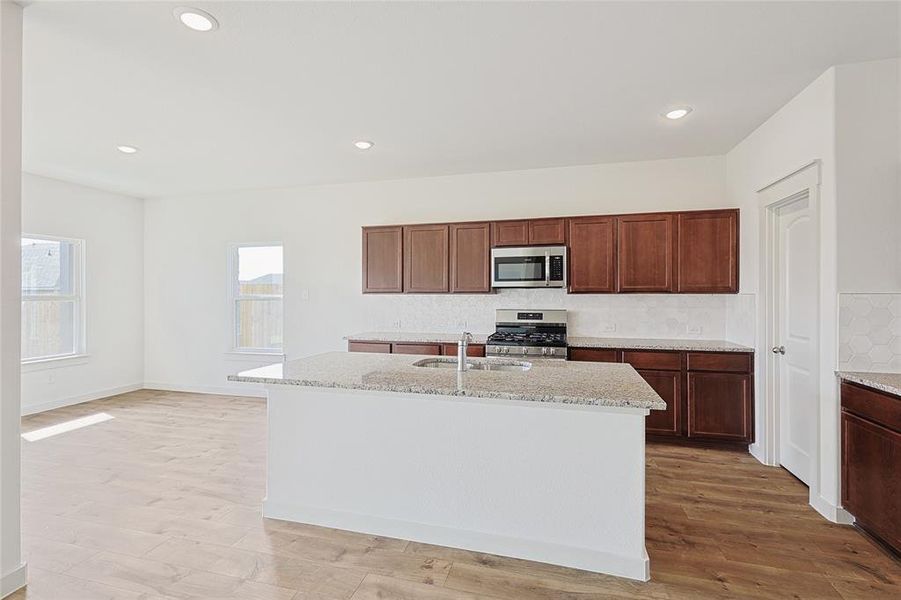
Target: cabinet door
(378, 347)
(720, 407)
(547, 231)
(411, 348)
(510, 233)
(592, 251)
(668, 385)
(871, 477)
(470, 260)
(426, 258)
(645, 253)
(707, 256)
(383, 260)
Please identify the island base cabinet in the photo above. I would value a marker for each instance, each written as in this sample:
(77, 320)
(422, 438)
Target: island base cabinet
(433, 469)
(720, 407)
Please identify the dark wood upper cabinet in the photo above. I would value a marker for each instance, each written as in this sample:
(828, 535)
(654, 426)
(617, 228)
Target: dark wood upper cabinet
(668, 385)
(645, 253)
(426, 258)
(592, 254)
(720, 406)
(529, 232)
(510, 233)
(707, 255)
(470, 257)
(383, 260)
(547, 231)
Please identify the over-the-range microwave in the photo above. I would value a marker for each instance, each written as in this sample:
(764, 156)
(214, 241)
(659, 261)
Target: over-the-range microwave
(535, 266)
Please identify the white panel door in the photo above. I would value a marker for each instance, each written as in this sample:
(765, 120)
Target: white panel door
(796, 335)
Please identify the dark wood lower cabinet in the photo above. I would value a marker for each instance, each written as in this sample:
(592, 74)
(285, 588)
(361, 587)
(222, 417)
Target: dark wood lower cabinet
(474, 350)
(709, 395)
(668, 384)
(720, 406)
(871, 462)
(427, 349)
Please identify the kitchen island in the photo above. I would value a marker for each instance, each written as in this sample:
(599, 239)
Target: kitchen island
(542, 461)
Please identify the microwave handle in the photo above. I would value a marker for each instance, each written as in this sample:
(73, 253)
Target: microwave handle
(547, 268)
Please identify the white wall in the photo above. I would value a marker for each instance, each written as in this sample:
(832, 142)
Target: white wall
(848, 121)
(867, 151)
(801, 132)
(187, 237)
(112, 227)
(12, 569)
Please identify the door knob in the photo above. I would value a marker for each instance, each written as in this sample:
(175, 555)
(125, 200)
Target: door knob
(778, 349)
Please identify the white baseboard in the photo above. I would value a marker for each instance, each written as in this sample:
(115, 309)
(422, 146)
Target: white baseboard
(833, 513)
(14, 580)
(45, 406)
(244, 389)
(756, 450)
(477, 541)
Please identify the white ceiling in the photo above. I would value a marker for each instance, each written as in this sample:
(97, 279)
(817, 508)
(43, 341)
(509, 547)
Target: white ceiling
(278, 94)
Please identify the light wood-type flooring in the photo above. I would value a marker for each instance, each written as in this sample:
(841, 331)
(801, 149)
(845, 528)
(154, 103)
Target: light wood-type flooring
(163, 502)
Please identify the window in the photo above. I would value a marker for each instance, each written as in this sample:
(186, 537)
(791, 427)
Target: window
(257, 291)
(52, 298)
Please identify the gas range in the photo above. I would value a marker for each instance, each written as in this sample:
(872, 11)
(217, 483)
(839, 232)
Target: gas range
(532, 333)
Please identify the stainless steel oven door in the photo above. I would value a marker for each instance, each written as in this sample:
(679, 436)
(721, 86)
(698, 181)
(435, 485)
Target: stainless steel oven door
(528, 267)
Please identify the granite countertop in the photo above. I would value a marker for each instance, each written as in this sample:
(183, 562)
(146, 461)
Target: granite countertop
(548, 381)
(885, 382)
(572, 341)
(655, 344)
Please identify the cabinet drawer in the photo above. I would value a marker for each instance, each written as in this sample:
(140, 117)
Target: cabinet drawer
(882, 408)
(660, 361)
(379, 347)
(474, 350)
(735, 362)
(594, 354)
(404, 348)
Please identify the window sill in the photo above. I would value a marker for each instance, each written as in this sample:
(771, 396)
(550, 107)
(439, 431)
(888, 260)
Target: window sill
(56, 362)
(254, 355)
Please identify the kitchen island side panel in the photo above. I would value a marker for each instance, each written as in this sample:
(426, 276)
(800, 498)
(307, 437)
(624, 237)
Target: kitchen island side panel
(561, 484)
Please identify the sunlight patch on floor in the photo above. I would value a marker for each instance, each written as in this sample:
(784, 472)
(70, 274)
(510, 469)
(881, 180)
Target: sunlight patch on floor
(45, 432)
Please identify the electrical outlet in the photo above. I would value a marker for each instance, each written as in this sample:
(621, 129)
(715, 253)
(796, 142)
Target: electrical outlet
(693, 329)
(396, 324)
(305, 294)
(461, 325)
(609, 328)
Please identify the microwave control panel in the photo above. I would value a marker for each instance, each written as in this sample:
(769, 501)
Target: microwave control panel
(556, 268)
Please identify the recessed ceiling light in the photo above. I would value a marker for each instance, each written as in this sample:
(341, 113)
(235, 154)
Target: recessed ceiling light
(677, 113)
(196, 19)
(364, 144)
(126, 149)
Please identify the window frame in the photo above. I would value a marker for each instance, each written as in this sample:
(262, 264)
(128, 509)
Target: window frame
(78, 297)
(234, 297)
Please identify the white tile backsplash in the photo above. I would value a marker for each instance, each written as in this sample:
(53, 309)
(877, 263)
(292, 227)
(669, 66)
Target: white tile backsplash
(869, 332)
(680, 316)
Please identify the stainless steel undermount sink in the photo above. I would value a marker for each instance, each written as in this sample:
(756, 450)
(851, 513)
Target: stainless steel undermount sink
(488, 365)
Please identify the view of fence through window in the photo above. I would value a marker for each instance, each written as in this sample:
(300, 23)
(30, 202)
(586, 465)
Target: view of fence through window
(51, 303)
(258, 298)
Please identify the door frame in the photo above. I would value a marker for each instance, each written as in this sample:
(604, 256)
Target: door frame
(772, 298)
(825, 456)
